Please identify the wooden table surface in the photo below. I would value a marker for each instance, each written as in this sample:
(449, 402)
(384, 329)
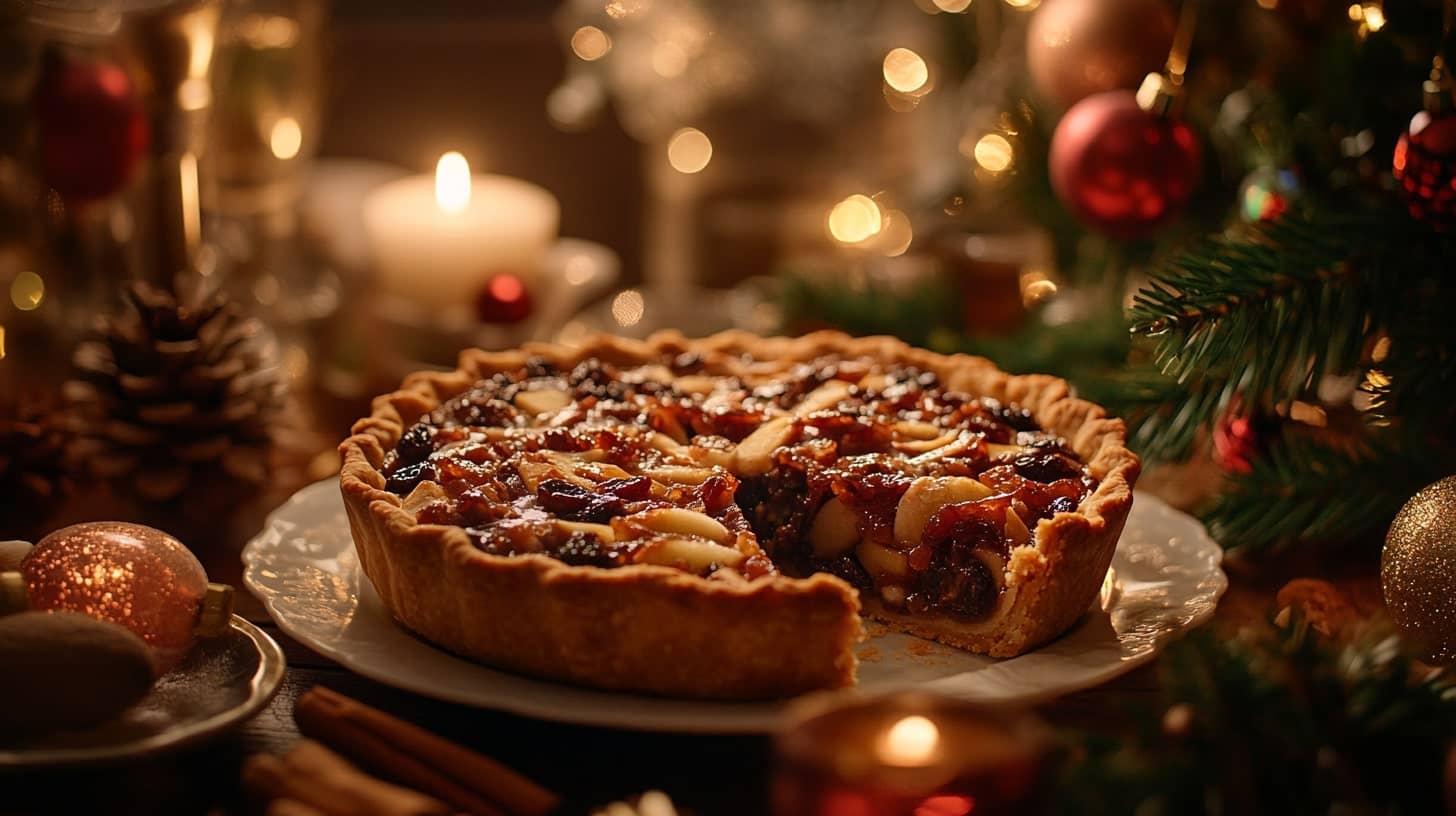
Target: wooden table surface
(708, 775)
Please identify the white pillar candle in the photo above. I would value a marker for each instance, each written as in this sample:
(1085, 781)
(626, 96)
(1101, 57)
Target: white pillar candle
(436, 241)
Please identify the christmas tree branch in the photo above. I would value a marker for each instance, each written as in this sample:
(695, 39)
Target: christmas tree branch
(1260, 315)
(1275, 718)
(1305, 489)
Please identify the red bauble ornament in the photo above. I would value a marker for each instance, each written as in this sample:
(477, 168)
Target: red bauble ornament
(1425, 168)
(1120, 169)
(503, 299)
(1240, 440)
(93, 128)
(1076, 48)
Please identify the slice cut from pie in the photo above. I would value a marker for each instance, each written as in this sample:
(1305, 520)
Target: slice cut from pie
(710, 518)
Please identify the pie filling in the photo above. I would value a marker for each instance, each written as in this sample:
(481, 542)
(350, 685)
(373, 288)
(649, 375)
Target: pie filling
(907, 490)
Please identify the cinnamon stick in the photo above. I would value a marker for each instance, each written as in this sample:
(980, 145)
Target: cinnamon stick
(414, 757)
(316, 777)
(291, 807)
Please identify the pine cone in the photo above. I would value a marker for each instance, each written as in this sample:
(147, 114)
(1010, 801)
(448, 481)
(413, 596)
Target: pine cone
(33, 468)
(180, 390)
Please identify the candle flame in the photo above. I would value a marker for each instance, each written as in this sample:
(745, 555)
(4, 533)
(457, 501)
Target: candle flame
(913, 740)
(452, 182)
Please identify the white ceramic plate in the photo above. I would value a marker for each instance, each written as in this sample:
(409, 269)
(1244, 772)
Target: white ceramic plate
(1165, 579)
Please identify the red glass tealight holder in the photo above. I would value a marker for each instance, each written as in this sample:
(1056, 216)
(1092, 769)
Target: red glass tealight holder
(908, 754)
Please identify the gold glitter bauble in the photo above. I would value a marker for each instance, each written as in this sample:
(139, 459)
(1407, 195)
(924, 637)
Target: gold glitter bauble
(1418, 569)
(129, 574)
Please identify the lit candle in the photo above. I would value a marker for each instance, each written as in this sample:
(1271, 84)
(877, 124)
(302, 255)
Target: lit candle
(437, 240)
(906, 755)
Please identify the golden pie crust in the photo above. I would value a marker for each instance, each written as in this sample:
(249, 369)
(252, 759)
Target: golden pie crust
(661, 630)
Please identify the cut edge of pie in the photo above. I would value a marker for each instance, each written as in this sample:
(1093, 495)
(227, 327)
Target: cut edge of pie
(677, 634)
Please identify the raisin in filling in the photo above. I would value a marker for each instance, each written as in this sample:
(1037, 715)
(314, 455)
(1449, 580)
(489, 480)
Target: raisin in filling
(912, 492)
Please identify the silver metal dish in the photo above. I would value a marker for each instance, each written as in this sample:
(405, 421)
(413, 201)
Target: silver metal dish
(224, 681)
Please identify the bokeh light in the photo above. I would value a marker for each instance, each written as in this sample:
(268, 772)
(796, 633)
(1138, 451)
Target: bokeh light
(855, 219)
(286, 138)
(689, 150)
(590, 43)
(669, 60)
(952, 6)
(1374, 16)
(993, 152)
(905, 70)
(628, 307)
(1036, 286)
(895, 235)
(27, 291)
(619, 9)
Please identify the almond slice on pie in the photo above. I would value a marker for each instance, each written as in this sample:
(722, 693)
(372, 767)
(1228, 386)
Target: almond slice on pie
(710, 518)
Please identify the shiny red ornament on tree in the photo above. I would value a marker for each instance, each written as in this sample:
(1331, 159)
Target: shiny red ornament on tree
(504, 300)
(93, 129)
(1240, 440)
(1122, 170)
(1425, 168)
(1076, 48)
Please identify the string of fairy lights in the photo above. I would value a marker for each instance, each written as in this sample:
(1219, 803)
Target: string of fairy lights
(861, 220)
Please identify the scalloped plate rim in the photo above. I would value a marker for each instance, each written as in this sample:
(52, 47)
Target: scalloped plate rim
(595, 707)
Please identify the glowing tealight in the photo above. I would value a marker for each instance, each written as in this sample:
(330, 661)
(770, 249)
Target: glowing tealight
(905, 70)
(452, 182)
(628, 308)
(590, 43)
(1024, 5)
(855, 219)
(952, 6)
(27, 291)
(689, 150)
(911, 741)
(286, 138)
(993, 153)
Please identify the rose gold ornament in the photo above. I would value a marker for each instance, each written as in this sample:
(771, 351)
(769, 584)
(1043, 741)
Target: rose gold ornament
(129, 574)
(1076, 48)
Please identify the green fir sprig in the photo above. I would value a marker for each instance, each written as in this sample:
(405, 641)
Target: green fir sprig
(1275, 719)
(1259, 317)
